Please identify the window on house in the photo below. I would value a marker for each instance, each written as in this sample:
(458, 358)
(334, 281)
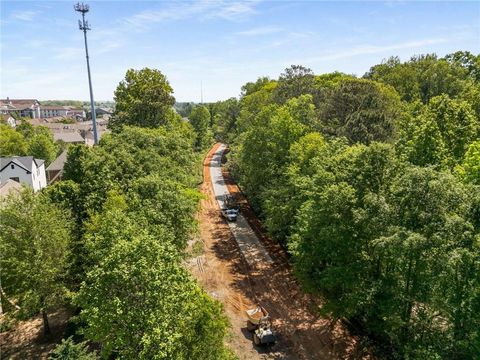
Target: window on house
(12, 166)
(15, 179)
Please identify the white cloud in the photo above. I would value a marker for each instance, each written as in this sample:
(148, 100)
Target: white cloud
(264, 30)
(68, 53)
(27, 15)
(203, 9)
(374, 49)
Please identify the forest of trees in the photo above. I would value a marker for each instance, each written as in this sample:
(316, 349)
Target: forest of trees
(109, 239)
(372, 184)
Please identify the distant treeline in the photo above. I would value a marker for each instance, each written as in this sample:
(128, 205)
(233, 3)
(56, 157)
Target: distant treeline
(77, 103)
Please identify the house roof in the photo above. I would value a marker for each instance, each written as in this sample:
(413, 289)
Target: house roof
(53, 107)
(68, 137)
(19, 104)
(59, 162)
(8, 187)
(26, 162)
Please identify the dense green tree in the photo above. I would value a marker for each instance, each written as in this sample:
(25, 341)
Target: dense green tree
(425, 76)
(266, 148)
(43, 146)
(34, 245)
(440, 134)
(11, 142)
(225, 116)
(389, 245)
(139, 302)
(251, 87)
(69, 350)
(294, 81)
(200, 120)
(469, 169)
(144, 98)
(29, 141)
(361, 110)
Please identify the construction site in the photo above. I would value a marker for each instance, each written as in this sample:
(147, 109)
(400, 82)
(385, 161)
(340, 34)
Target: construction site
(242, 268)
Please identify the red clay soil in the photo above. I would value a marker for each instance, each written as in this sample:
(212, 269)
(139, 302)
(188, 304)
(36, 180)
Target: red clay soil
(225, 275)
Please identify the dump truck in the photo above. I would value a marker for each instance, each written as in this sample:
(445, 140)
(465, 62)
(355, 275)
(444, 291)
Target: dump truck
(259, 323)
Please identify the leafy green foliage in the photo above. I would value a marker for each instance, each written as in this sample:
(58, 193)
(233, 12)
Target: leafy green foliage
(11, 142)
(200, 120)
(469, 169)
(360, 110)
(28, 140)
(355, 177)
(138, 300)
(69, 350)
(144, 98)
(34, 245)
(440, 133)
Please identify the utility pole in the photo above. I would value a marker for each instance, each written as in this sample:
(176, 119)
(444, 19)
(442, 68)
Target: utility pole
(84, 26)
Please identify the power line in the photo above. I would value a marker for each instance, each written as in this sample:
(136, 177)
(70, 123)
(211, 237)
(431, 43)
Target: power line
(84, 26)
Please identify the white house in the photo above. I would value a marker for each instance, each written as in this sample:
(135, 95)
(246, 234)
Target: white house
(24, 170)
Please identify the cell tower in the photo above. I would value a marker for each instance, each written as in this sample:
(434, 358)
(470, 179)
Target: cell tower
(84, 26)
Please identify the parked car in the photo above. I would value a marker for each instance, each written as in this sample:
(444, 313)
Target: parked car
(230, 214)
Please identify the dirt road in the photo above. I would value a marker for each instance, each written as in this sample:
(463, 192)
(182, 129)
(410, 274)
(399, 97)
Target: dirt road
(224, 273)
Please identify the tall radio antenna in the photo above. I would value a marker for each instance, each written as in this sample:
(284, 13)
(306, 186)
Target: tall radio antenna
(84, 26)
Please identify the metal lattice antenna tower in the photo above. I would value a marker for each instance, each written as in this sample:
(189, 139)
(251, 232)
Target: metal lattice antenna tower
(84, 26)
(201, 92)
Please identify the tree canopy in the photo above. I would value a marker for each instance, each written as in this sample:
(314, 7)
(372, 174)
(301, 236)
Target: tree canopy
(372, 185)
(144, 98)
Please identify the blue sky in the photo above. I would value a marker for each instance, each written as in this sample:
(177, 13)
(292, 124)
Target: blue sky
(221, 43)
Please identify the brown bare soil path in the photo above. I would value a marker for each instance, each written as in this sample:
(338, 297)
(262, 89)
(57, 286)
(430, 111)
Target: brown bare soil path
(227, 277)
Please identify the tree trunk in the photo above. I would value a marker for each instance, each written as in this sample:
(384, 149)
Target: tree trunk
(46, 326)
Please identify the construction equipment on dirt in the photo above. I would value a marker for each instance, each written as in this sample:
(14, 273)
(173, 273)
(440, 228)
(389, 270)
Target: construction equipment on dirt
(231, 202)
(259, 322)
(230, 208)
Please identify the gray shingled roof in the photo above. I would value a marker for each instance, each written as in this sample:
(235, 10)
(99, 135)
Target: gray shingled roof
(24, 161)
(59, 162)
(68, 137)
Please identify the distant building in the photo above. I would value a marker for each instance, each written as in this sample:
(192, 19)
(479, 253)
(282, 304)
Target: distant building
(9, 120)
(52, 111)
(23, 107)
(69, 137)
(55, 169)
(24, 170)
(63, 111)
(32, 108)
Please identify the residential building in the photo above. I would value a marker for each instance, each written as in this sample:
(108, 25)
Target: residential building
(55, 169)
(63, 111)
(23, 107)
(9, 120)
(24, 170)
(72, 137)
(52, 111)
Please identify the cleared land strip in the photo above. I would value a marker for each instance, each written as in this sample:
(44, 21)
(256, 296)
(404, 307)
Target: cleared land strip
(253, 251)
